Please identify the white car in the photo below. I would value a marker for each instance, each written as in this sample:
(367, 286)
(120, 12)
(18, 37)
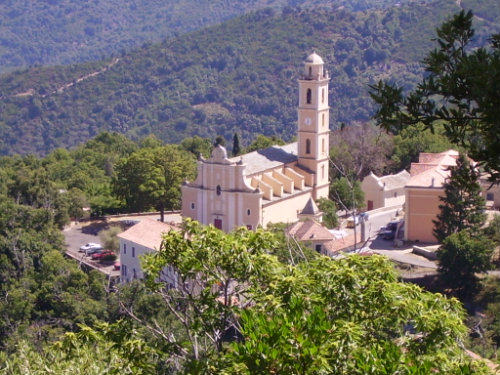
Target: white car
(89, 246)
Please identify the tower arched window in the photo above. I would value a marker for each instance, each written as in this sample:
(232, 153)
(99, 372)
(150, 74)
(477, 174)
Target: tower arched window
(218, 190)
(309, 96)
(310, 72)
(323, 145)
(323, 172)
(323, 120)
(322, 95)
(308, 146)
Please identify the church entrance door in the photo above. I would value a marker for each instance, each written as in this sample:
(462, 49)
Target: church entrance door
(218, 223)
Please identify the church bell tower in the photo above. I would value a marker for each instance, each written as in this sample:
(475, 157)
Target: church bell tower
(313, 123)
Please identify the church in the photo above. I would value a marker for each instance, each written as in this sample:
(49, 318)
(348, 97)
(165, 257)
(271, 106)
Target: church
(276, 184)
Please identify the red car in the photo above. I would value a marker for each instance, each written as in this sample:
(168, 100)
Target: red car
(102, 254)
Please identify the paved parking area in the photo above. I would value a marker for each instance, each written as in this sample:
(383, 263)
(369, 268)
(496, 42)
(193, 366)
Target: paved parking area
(78, 234)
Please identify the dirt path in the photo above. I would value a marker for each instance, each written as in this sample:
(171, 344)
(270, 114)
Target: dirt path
(60, 89)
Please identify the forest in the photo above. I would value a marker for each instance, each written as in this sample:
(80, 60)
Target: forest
(63, 32)
(238, 76)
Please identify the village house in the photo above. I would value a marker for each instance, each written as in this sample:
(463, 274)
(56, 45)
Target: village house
(270, 185)
(143, 238)
(424, 188)
(385, 191)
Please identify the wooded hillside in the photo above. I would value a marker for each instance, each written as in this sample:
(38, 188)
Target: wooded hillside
(240, 76)
(49, 32)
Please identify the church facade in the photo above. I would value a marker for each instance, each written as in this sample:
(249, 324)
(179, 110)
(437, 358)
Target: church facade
(270, 185)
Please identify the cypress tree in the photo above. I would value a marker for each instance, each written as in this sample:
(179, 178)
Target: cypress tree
(236, 145)
(462, 204)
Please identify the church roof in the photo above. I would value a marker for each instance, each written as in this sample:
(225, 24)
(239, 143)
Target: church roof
(314, 58)
(268, 158)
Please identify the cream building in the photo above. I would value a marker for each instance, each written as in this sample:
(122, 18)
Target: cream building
(385, 191)
(425, 187)
(273, 184)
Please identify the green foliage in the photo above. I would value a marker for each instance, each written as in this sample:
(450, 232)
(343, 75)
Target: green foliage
(347, 194)
(261, 142)
(108, 349)
(236, 150)
(109, 238)
(151, 178)
(237, 76)
(329, 209)
(462, 255)
(460, 90)
(414, 139)
(310, 318)
(198, 146)
(462, 204)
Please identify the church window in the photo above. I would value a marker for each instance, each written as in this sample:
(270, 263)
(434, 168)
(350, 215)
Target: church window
(322, 95)
(323, 145)
(308, 146)
(310, 72)
(218, 190)
(249, 212)
(323, 120)
(309, 96)
(192, 206)
(124, 248)
(323, 172)
(133, 252)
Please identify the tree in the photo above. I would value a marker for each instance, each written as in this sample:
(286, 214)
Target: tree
(461, 89)
(358, 150)
(462, 255)
(308, 318)
(198, 146)
(414, 139)
(329, 209)
(151, 178)
(463, 206)
(262, 142)
(347, 194)
(236, 145)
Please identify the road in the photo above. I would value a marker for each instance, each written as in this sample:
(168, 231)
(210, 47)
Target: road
(377, 244)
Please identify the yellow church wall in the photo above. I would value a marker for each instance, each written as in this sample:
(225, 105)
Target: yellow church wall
(284, 210)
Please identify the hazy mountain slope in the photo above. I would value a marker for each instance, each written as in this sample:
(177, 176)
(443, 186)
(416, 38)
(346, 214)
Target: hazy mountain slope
(237, 76)
(50, 32)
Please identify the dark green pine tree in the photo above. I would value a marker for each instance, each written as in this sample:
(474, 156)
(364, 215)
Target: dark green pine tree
(236, 145)
(463, 206)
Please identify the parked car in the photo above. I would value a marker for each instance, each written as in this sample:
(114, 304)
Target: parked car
(93, 250)
(102, 254)
(90, 245)
(389, 232)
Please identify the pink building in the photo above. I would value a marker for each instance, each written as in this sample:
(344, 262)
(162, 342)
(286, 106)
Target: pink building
(424, 188)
